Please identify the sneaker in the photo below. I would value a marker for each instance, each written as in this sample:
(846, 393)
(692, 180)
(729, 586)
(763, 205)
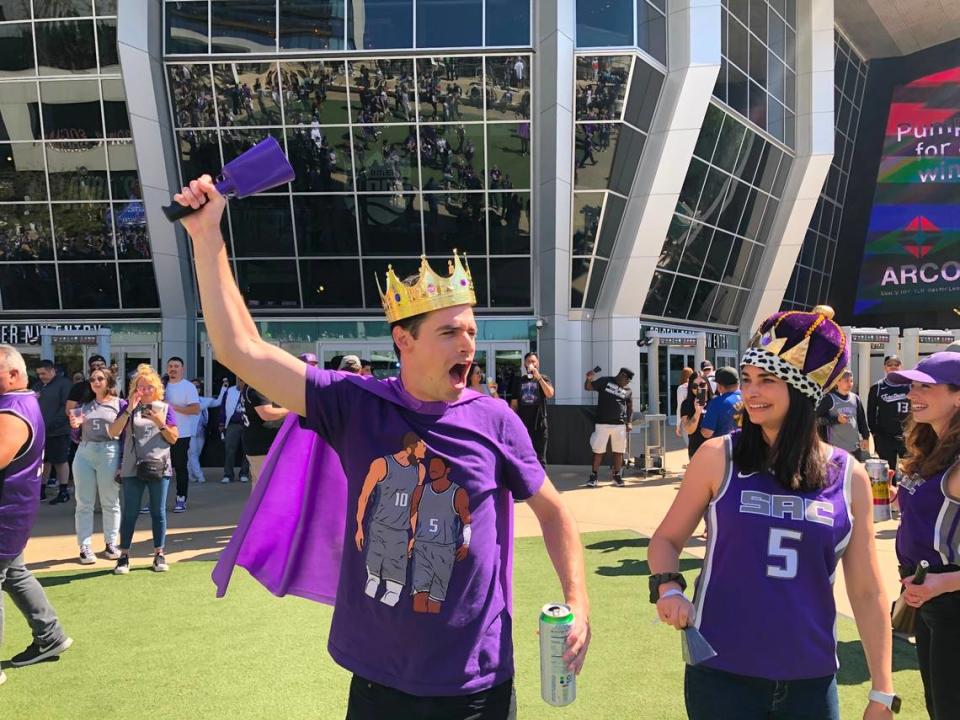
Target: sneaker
(62, 496)
(123, 565)
(110, 552)
(201, 480)
(52, 482)
(618, 481)
(244, 479)
(593, 481)
(226, 480)
(181, 505)
(35, 653)
(87, 557)
(160, 563)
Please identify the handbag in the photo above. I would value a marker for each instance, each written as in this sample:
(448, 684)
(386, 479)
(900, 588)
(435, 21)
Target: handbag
(148, 469)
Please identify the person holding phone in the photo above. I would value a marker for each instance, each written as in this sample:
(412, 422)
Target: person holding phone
(699, 393)
(529, 400)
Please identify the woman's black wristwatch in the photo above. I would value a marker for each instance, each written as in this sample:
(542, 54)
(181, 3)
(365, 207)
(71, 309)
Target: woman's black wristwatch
(659, 579)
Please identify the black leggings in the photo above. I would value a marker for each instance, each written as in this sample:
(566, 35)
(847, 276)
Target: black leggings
(370, 701)
(938, 637)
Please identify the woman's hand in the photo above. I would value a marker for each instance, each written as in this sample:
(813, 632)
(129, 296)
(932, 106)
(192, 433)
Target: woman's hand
(916, 595)
(876, 711)
(677, 611)
(134, 400)
(76, 421)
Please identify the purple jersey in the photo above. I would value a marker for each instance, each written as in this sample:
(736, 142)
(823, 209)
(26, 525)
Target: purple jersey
(764, 599)
(929, 523)
(20, 480)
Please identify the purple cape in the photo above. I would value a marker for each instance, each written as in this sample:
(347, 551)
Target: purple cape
(290, 534)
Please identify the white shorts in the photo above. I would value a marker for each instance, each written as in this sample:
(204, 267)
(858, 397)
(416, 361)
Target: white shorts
(617, 434)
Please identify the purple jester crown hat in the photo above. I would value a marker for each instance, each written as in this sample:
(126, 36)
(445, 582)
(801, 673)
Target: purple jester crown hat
(808, 350)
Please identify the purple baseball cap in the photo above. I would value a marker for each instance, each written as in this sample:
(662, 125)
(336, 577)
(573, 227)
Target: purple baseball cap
(937, 369)
(309, 358)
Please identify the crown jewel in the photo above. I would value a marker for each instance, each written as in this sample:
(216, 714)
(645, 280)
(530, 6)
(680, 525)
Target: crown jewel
(428, 292)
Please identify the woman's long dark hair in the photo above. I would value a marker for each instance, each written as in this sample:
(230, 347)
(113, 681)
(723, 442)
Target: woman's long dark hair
(795, 459)
(706, 395)
(927, 453)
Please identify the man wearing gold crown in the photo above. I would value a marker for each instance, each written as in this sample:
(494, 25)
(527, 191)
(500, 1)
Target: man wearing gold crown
(299, 529)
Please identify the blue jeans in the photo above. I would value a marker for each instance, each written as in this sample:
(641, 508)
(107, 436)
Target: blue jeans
(193, 455)
(133, 488)
(717, 695)
(94, 470)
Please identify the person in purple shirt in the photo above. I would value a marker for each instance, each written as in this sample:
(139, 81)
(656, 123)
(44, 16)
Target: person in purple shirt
(22, 434)
(782, 509)
(929, 498)
(456, 663)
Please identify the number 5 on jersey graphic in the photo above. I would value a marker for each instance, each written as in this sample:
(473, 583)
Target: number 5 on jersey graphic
(787, 569)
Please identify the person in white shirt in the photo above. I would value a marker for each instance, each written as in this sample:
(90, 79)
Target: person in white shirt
(182, 396)
(682, 392)
(200, 434)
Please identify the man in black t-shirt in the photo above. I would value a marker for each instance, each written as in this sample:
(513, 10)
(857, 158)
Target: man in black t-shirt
(887, 410)
(614, 413)
(261, 423)
(529, 396)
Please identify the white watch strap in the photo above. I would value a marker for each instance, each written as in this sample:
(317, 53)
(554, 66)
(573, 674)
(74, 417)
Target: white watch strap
(885, 699)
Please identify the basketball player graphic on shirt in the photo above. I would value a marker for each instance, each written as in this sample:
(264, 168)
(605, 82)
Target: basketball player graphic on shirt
(440, 511)
(395, 477)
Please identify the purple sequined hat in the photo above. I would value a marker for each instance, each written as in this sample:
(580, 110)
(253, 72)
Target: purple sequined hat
(805, 349)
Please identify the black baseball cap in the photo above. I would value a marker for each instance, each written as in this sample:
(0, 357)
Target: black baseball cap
(706, 364)
(627, 373)
(727, 377)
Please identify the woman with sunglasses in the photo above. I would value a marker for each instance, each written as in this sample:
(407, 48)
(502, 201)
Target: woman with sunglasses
(94, 424)
(691, 410)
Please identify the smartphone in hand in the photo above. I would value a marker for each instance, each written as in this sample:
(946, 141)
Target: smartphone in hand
(596, 370)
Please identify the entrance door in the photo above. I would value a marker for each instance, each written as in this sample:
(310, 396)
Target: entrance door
(128, 357)
(381, 355)
(726, 358)
(677, 360)
(503, 362)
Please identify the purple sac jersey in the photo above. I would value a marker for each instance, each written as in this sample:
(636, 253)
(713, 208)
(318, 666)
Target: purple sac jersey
(764, 599)
(20, 480)
(929, 521)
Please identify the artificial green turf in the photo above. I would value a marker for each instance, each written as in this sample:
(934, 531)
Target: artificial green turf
(162, 646)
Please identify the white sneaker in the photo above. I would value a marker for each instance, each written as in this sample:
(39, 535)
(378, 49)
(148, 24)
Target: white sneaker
(86, 556)
(226, 480)
(201, 480)
(244, 479)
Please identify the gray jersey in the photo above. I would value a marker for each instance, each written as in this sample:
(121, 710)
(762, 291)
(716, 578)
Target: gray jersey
(437, 519)
(395, 492)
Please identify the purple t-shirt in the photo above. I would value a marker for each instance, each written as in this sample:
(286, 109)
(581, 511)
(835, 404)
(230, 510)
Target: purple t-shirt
(20, 480)
(476, 446)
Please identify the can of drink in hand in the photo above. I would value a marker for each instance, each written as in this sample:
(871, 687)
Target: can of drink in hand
(558, 684)
(880, 484)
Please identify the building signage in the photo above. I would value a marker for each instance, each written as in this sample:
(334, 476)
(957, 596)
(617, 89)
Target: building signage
(683, 337)
(30, 334)
(944, 339)
(870, 337)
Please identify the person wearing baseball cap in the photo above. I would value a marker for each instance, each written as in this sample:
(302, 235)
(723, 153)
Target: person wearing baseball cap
(309, 358)
(929, 499)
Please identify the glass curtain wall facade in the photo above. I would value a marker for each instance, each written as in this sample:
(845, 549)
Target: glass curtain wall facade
(73, 233)
(721, 224)
(810, 282)
(615, 98)
(396, 156)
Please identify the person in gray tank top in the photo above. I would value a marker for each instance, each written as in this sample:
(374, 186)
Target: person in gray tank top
(842, 418)
(386, 537)
(440, 514)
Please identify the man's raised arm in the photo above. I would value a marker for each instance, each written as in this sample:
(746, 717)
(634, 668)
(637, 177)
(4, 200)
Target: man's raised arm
(232, 332)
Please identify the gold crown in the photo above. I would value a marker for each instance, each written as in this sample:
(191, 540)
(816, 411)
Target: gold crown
(429, 292)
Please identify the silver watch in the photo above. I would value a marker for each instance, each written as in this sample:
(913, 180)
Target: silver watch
(888, 700)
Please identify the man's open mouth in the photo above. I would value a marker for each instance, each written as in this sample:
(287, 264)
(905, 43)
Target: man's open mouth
(458, 375)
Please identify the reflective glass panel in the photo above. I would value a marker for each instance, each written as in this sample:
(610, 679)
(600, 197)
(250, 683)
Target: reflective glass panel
(728, 148)
(269, 283)
(586, 221)
(456, 221)
(445, 24)
(105, 7)
(71, 110)
(325, 225)
(692, 187)
(727, 306)
(62, 8)
(247, 93)
(509, 282)
(605, 24)
(594, 147)
(28, 287)
(187, 27)
(262, 226)
(651, 31)
(601, 86)
(314, 93)
(508, 147)
(138, 286)
(612, 215)
(16, 50)
(696, 249)
(66, 47)
(124, 180)
(508, 87)
(19, 112)
(107, 46)
(15, 9)
(379, 24)
(509, 223)
(385, 158)
(451, 157)
(703, 298)
(237, 142)
(331, 283)
(199, 153)
(659, 292)
(22, 176)
(390, 224)
(312, 24)
(403, 267)
(192, 93)
(680, 297)
(78, 171)
(450, 89)
(130, 226)
(25, 233)
(579, 274)
(644, 92)
(508, 23)
(321, 158)
(83, 231)
(626, 159)
(115, 109)
(243, 26)
(675, 243)
(381, 91)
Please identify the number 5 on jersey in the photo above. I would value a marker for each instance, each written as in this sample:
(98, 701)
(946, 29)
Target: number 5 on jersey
(787, 567)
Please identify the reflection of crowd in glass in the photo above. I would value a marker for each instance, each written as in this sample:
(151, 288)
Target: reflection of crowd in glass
(314, 160)
(308, 88)
(84, 244)
(24, 242)
(503, 77)
(240, 102)
(586, 233)
(132, 241)
(192, 96)
(600, 91)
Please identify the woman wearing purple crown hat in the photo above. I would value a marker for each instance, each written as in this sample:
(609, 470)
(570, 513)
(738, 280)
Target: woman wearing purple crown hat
(782, 510)
(421, 590)
(929, 499)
